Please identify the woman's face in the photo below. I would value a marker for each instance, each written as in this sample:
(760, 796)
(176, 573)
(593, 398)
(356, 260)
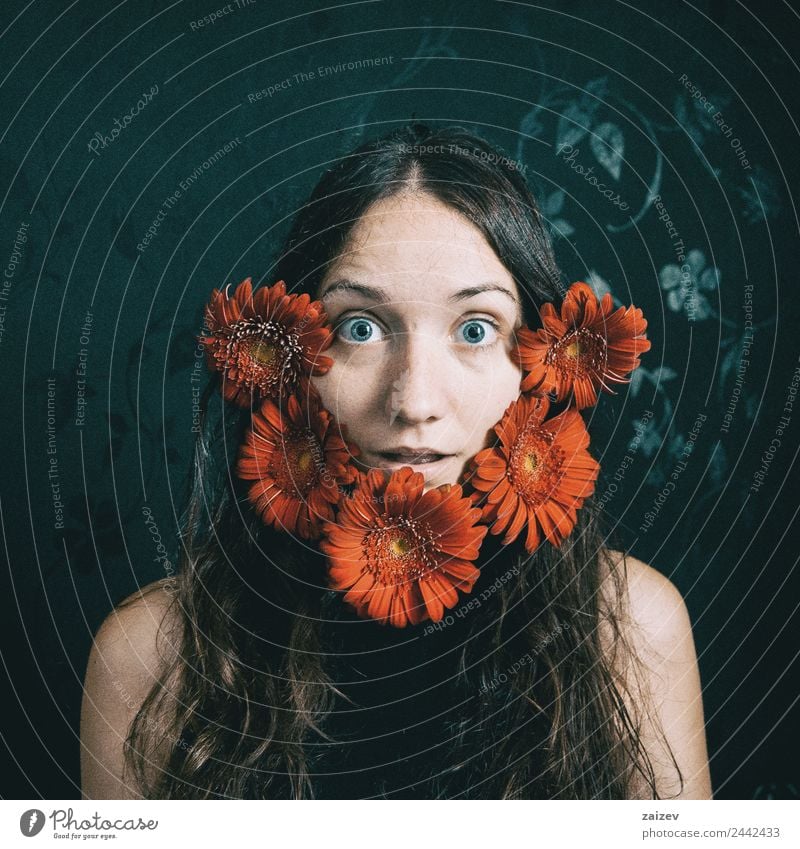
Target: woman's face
(424, 315)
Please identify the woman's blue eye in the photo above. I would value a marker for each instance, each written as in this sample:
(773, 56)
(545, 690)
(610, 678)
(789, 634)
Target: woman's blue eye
(474, 331)
(358, 329)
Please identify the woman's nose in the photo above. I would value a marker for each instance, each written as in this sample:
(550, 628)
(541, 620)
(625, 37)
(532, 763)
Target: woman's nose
(419, 390)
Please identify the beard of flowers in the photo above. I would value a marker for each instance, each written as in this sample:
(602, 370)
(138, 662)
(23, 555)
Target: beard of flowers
(325, 437)
(346, 488)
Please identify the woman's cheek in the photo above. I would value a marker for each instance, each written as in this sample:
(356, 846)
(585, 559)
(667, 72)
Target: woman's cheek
(343, 389)
(493, 377)
(324, 384)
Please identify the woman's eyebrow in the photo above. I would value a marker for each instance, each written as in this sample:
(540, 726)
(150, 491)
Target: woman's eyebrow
(382, 297)
(471, 291)
(345, 285)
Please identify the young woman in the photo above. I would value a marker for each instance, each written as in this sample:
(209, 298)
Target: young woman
(561, 671)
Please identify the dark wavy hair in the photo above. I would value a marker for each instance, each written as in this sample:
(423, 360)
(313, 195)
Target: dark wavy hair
(250, 685)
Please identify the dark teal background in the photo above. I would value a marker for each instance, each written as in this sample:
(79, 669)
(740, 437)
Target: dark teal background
(604, 77)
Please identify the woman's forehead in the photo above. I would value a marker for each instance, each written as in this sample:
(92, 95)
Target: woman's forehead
(393, 226)
(339, 288)
(413, 244)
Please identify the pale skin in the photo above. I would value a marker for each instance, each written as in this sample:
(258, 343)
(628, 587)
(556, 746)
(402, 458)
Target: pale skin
(427, 365)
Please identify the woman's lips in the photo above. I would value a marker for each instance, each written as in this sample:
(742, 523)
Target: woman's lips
(420, 462)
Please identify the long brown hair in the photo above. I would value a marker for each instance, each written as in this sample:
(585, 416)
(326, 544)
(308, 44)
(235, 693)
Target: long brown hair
(246, 702)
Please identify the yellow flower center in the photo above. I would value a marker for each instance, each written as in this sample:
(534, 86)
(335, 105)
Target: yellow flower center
(304, 461)
(531, 462)
(535, 466)
(295, 464)
(399, 554)
(263, 355)
(262, 352)
(399, 546)
(580, 354)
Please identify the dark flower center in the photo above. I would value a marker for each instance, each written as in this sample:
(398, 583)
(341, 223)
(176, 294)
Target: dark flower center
(401, 553)
(265, 353)
(296, 464)
(535, 466)
(579, 353)
(262, 352)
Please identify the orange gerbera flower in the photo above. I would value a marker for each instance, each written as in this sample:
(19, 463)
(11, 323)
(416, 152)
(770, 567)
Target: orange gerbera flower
(540, 474)
(298, 462)
(587, 347)
(263, 343)
(401, 554)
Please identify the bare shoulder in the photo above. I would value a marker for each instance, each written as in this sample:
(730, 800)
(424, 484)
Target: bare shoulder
(652, 605)
(663, 685)
(130, 652)
(138, 637)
